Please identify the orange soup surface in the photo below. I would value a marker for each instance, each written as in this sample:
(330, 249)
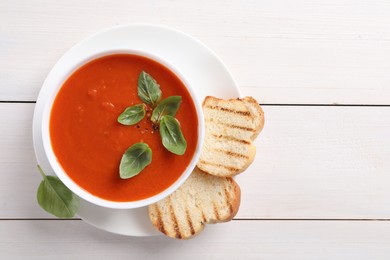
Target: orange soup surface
(89, 142)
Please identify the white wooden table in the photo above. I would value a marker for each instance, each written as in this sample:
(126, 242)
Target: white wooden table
(320, 185)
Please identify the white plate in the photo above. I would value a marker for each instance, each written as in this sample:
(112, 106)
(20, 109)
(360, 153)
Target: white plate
(203, 69)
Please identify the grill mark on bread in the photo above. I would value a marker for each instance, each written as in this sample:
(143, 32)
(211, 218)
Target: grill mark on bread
(174, 219)
(243, 113)
(204, 217)
(189, 221)
(231, 138)
(249, 129)
(230, 168)
(232, 154)
(216, 213)
(228, 199)
(160, 223)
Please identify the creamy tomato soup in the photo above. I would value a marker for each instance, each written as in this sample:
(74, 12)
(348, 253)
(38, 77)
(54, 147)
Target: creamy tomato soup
(89, 142)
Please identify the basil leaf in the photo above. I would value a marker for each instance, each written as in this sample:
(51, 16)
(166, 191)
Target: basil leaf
(168, 106)
(54, 197)
(171, 135)
(148, 89)
(132, 115)
(134, 160)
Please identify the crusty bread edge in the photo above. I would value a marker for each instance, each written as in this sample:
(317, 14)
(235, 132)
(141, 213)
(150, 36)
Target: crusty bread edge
(251, 158)
(237, 202)
(250, 100)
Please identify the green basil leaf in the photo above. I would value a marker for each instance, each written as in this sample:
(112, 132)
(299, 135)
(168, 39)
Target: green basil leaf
(171, 135)
(168, 106)
(148, 89)
(132, 115)
(54, 197)
(134, 160)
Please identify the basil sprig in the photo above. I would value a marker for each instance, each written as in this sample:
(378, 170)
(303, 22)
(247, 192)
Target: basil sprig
(148, 89)
(134, 160)
(168, 106)
(132, 115)
(54, 197)
(171, 135)
(139, 155)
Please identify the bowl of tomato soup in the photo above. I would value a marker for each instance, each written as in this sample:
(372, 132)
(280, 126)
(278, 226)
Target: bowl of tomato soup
(84, 142)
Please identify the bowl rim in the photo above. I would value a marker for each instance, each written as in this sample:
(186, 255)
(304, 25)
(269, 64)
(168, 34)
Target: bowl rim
(64, 73)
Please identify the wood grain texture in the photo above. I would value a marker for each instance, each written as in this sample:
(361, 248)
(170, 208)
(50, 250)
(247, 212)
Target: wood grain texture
(313, 52)
(58, 239)
(311, 163)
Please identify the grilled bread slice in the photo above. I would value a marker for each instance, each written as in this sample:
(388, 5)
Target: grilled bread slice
(231, 126)
(202, 199)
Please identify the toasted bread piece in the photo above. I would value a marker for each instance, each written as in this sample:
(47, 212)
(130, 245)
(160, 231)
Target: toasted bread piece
(231, 126)
(202, 199)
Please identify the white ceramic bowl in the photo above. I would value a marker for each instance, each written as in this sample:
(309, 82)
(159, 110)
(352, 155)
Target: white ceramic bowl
(57, 81)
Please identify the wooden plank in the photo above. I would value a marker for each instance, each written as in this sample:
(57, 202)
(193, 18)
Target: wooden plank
(311, 163)
(300, 52)
(235, 240)
(18, 163)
